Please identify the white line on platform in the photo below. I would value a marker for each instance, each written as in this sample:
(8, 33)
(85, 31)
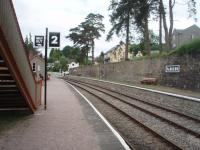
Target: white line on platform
(122, 141)
(151, 90)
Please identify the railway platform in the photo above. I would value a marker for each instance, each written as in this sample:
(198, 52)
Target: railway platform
(69, 123)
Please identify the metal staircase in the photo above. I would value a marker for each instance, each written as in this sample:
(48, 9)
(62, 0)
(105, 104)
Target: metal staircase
(10, 96)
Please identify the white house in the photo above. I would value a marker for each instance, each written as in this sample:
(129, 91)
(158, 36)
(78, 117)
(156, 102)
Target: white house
(73, 65)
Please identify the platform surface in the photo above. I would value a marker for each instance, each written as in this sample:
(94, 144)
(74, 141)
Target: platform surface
(69, 123)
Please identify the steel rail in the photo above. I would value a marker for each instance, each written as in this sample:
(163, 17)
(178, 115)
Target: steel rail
(130, 117)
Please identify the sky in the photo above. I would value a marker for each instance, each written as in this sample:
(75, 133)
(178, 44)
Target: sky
(61, 15)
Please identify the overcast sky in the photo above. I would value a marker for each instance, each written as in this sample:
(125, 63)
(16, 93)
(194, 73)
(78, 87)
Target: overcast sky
(61, 15)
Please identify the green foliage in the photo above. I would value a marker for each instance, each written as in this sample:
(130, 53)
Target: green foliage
(50, 60)
(140, 46)
(28, 45)
(67, 51)
(84, 35)
(56, 67)
(58, 59)
(121, 16)
(153, 56)
(63, 63)
(142, 10)
(191, 48)
(100, 59)
(154, 40)
(71, 53)
(136, 47)
(55, 54)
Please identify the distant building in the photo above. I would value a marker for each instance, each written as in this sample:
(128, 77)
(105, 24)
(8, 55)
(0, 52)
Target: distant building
(117, 53)
(73, 65)
(38, 66)
(183, 36)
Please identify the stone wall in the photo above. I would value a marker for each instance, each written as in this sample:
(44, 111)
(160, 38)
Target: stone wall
(135, 71)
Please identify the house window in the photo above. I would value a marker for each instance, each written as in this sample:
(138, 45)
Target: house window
(174, 37)
(192, 36)
(33, 67)
(38, 67)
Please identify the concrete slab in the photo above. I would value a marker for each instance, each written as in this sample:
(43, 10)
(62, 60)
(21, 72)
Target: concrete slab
(69, 123)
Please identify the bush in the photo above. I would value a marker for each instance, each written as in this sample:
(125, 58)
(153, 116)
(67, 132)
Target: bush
(191, 48)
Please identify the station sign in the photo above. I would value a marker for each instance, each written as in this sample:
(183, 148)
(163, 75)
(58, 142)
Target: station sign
(39, 41)
(172, 68)
(54, 39)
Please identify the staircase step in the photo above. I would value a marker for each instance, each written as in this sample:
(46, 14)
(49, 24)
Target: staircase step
(11, 100)
(10, 96)
(14, 109)
(2, 63)
(7, 82)
(9, 91)
(7, 100)
(8, 87)
(2, 95)
(12, 106)
(4, 70)
(5, 77)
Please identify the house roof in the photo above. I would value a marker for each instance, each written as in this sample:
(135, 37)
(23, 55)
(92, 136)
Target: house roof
(114, 48)
(36, 56)
(110, 50)
(189, 28)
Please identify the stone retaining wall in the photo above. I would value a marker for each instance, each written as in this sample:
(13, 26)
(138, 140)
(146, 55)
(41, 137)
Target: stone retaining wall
(135, 71)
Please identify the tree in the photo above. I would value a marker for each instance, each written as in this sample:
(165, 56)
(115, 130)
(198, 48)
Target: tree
(154, 38)
(63, 63)
(129, 12)
(93, 26)
(142, 12)
(141, 45)
(80, 40)
(28, 45)
(55, 54)
(100, 59)
(84, 35)
(169, 32)
(121, 18)
(73, 53)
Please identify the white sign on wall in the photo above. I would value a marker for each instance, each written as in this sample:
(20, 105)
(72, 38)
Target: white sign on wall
(172, 68)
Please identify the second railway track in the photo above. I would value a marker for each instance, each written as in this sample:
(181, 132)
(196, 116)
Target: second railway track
(171, 129)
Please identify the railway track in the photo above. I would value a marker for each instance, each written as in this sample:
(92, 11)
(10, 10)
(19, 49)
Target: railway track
(169, 128)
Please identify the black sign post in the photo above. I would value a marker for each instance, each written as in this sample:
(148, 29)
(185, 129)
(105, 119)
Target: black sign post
(54, 41)
(45, 70)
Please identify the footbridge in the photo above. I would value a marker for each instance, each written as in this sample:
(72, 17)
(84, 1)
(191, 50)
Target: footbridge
(18, 88)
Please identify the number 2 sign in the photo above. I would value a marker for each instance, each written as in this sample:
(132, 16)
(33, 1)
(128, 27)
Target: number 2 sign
(54, 39)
